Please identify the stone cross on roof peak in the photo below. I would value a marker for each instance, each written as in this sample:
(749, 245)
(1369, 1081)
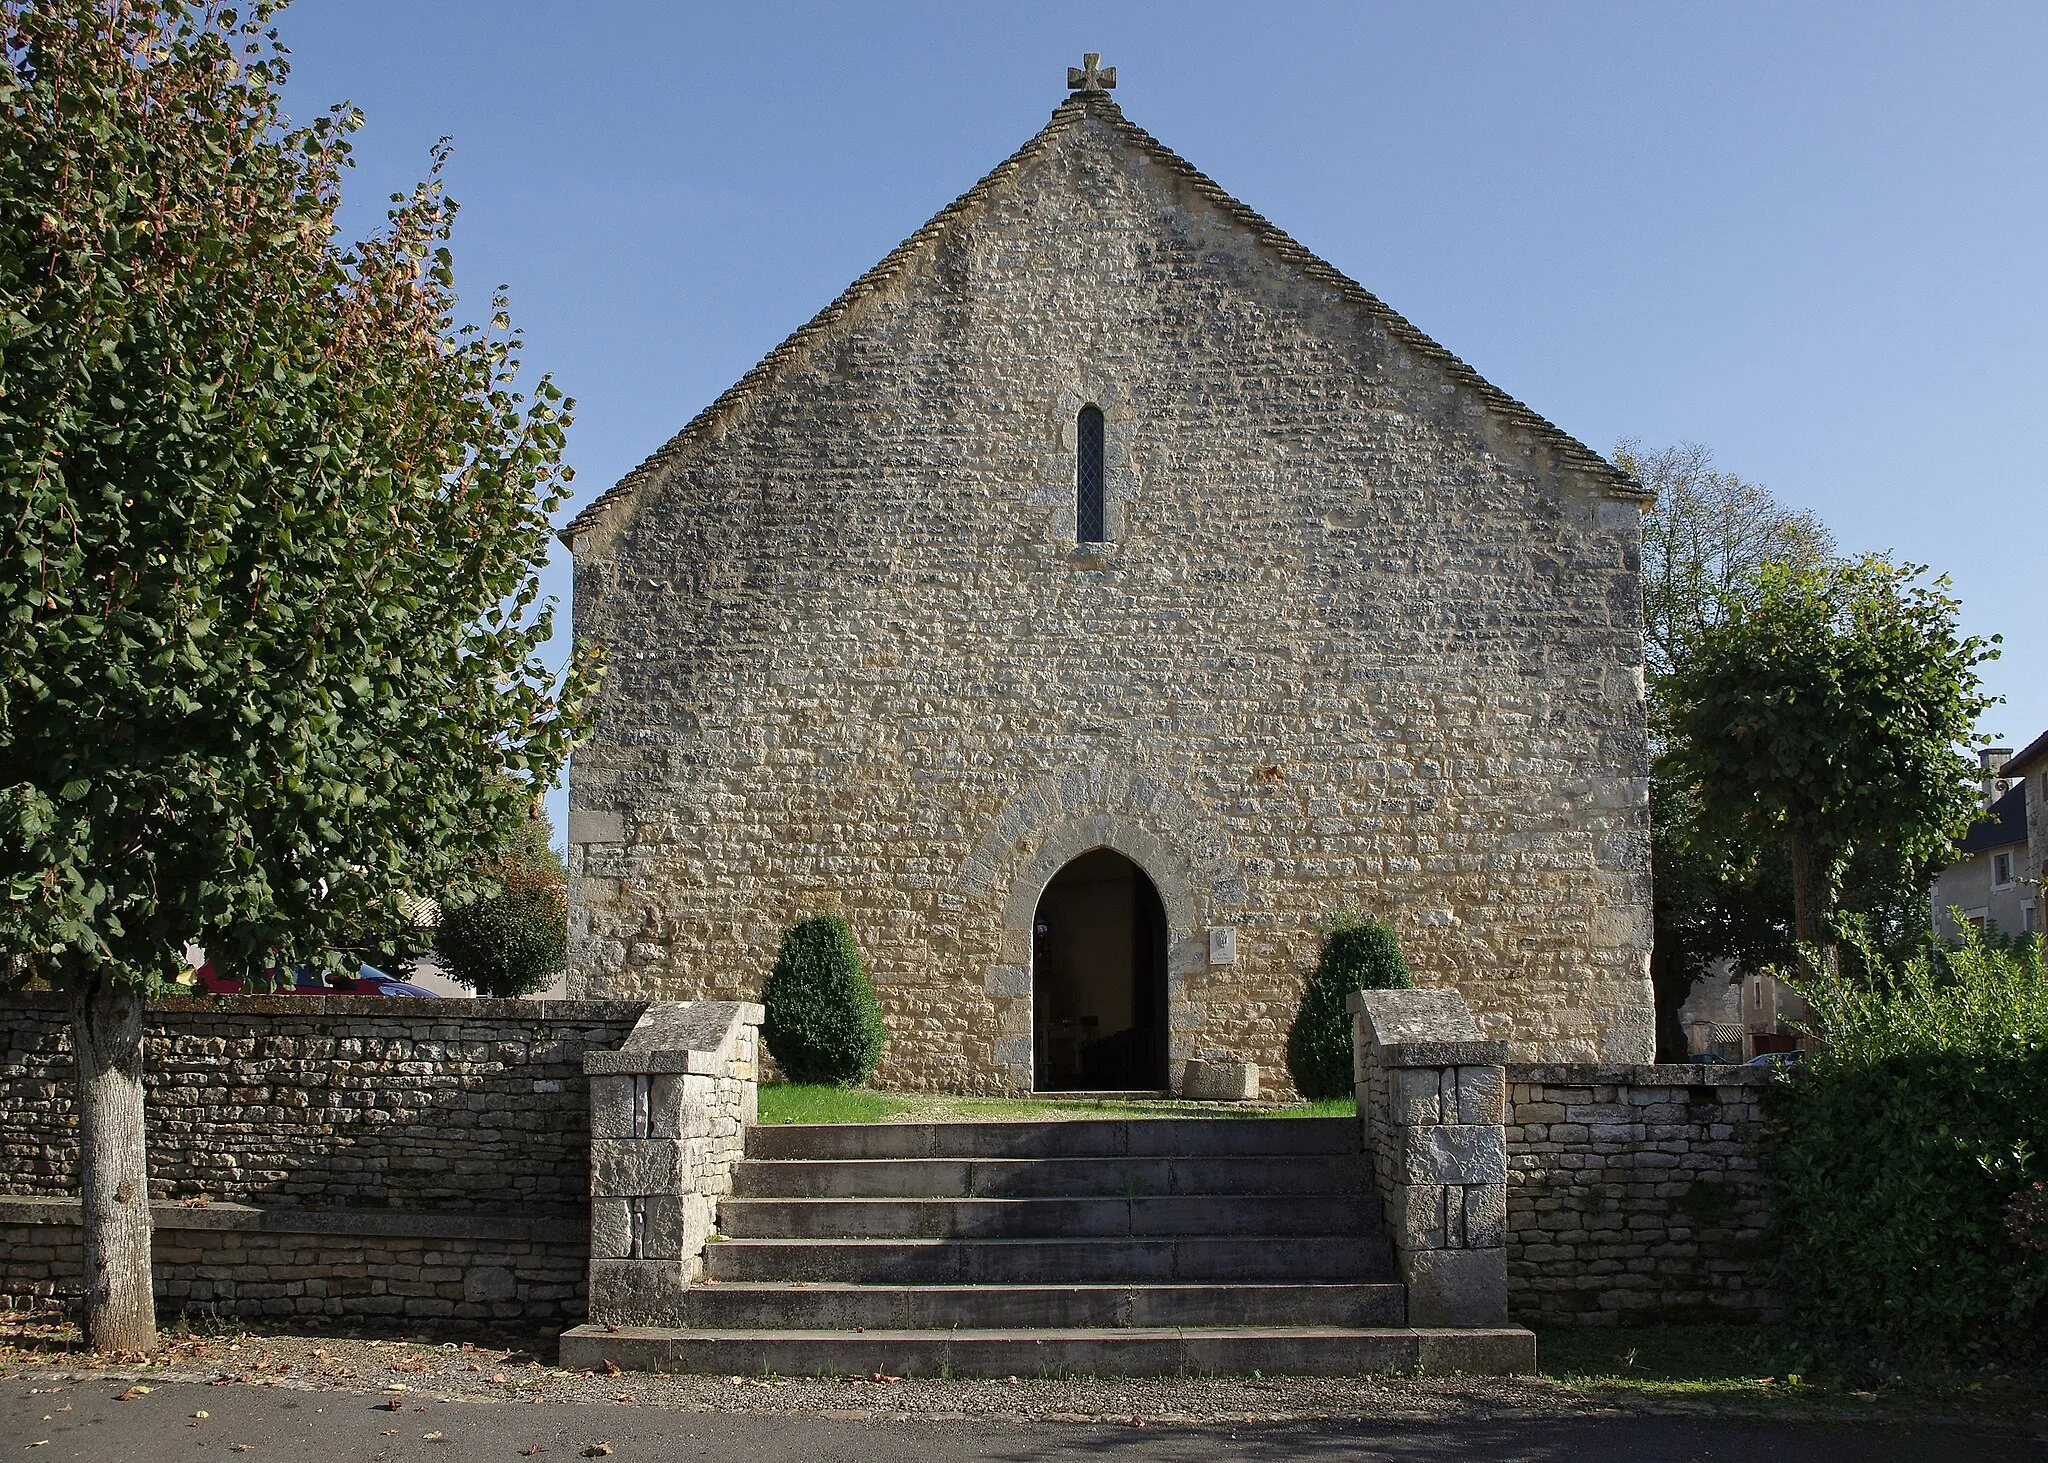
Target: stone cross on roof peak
(1090, 77)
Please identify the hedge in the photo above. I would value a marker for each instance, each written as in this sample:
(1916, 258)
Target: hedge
(1902, 1160)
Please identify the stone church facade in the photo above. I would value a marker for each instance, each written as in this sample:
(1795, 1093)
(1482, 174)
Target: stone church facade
(1092, 603)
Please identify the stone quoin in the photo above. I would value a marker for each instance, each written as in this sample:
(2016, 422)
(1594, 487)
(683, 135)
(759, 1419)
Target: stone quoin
(1094, 600)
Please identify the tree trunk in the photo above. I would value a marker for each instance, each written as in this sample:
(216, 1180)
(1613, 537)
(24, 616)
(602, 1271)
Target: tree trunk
(113, 1159)
(1813, 896)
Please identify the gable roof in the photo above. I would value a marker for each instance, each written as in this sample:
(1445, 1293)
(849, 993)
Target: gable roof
(2003, 824)
(1097, 106)
(2034, 751)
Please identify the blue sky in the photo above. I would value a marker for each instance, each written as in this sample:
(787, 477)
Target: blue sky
(1810, 237)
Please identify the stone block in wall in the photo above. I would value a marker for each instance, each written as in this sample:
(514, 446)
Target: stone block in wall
(1215, 1081)
(611, 1228)
(485, 1283)
(671, 1110)
(1486, 1215)
(1416, 1096)
(616, 1108)
(1456, 1287)
(626, 1167)
(1481, 1094)
(627, 1292)
(1456, 1154)
(1415, 1215)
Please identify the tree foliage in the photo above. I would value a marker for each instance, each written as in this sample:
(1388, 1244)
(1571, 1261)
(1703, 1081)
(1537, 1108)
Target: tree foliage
(1904, 1162)
(1829, 707)
(271, 523)
(1706, 540)
(822, 1021)
(511, 936)
(1358, 955)
(269, 632)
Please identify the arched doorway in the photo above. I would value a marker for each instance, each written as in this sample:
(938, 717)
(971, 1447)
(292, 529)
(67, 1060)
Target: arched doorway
(1098, 977)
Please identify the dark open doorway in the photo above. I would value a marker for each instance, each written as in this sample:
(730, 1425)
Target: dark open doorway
(1098, 966)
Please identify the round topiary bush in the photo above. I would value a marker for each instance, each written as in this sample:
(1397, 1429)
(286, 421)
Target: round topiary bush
(1358, 955)
(514, 941)
(823, 1022)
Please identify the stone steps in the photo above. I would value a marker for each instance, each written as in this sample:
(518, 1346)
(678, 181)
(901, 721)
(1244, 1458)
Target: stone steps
(1141, 1246)
(840, 1306)
(1055, 1351)
(1036, 1178)
(1089, 1218)
(1082, 1138)
(1347, 1258)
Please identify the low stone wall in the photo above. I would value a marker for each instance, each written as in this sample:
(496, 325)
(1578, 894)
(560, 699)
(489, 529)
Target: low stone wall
(359, 1157)
(421, 1267)
(307, 1101)
(1633, 1193)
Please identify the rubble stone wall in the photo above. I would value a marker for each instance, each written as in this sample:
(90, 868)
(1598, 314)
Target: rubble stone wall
(351, 1101)
(412, 1160)
(1633, 1191)
(232, 1260)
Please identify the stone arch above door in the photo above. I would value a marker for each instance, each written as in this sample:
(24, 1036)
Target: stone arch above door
(1102, 805)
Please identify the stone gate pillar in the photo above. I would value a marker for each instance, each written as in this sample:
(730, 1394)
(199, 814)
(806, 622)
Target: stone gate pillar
(668, 1118)
(1431, 1097)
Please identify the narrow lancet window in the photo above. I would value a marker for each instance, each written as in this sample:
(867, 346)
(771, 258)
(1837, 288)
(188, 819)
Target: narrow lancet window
(1089, 525)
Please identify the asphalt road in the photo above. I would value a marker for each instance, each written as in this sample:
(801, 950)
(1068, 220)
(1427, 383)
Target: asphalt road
(84, 1422)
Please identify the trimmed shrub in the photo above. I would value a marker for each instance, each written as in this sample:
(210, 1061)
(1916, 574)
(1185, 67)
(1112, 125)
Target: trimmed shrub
(512, 939)
(1902, 1161)
(823, 1022)
(1358, 955)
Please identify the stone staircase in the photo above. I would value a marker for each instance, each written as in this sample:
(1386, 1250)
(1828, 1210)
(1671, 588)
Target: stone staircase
(1117, 1248)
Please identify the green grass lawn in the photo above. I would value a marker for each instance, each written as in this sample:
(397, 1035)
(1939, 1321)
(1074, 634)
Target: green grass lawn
(794, 1102)
(798, 1102)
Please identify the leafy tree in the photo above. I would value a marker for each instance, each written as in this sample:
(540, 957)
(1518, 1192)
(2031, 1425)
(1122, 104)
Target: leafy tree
(1706, 540)
(1828, 707)
(1358, 955)
(512, 936)
(822, 1023)
(269, 628)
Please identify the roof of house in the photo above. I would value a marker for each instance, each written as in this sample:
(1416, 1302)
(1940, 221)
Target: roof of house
(1077, 108)
(2002, 826)
(2033, 753)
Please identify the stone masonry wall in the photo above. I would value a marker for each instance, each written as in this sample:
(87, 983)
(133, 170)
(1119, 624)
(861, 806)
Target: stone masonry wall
(1361, 637)
(419, 1267)
(346, 1157)
(1633, 1191)
(309, 1101)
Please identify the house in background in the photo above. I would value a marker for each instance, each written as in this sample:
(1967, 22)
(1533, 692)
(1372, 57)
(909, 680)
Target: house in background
(1996, 879)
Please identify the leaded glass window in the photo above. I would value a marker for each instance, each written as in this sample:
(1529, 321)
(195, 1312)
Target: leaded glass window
(1089, 525)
